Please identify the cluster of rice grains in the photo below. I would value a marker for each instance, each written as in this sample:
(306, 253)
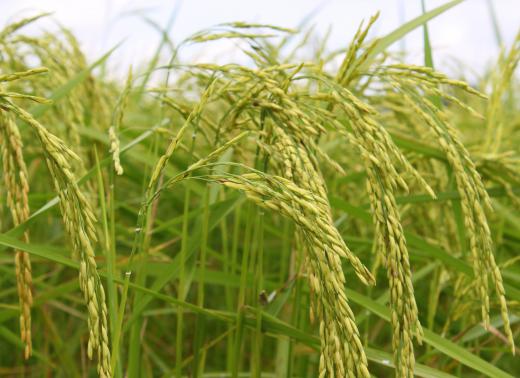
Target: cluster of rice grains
(17, 187)
(76, 210)
(289, 126)
(417, 94)
(277, 116)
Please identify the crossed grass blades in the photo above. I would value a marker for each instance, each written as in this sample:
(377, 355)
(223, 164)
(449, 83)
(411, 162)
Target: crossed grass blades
(261, 129)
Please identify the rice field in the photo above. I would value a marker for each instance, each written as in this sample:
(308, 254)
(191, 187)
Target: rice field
(308, 213)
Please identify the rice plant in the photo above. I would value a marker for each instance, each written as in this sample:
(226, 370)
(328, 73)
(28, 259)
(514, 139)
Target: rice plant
(304, 213)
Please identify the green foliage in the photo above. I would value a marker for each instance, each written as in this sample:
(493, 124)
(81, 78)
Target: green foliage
(338, 215)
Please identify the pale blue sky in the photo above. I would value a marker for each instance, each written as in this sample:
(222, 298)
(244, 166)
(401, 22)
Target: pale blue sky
(464, 33)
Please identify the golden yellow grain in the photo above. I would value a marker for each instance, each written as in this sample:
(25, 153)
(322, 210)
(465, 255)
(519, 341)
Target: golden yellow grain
(17, 186)
(79, 221)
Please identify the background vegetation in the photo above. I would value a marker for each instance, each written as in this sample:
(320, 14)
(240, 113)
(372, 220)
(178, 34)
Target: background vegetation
(308, 213)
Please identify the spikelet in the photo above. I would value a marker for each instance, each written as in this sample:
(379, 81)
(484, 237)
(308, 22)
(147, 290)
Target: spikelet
(13, 27)
(174, 143)
(205, 160)
(17, 186)
(352, 60)
(235, 32)
(381, 183)
(117, 121)
(501, 168)
(115, 150)
(23, 74)
(70, 110)
(79, 223)
(474, 201)
(404, 313)
(341, 348)
(507, 64)
(411, 83)
(152, 190)
(86, 102)
(378, 153)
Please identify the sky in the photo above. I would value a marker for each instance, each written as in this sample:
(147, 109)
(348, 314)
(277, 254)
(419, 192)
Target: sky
(463, 37)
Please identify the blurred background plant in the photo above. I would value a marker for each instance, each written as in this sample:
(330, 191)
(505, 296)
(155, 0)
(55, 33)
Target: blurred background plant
(230, 215)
